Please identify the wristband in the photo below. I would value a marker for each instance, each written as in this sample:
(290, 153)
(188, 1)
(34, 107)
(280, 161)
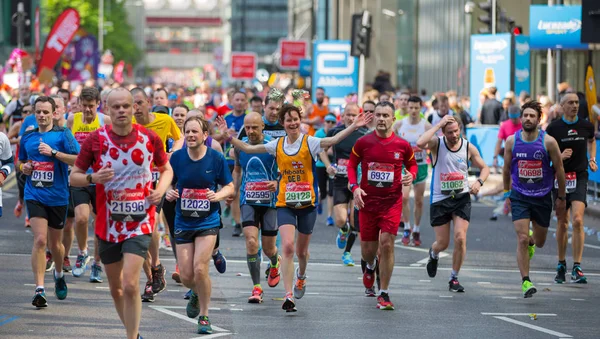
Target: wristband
(592, 159)
(507, 194)
(353, 187)
(21, 167)
(229, 139)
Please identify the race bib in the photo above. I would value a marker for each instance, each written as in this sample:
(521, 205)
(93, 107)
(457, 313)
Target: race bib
(81, 136)
(570, 182)
(155, 174)
(128, 205)
(419, 155)
(452, 183)
(342, 167)
(530, 171)
(298, 194)
(380, 175)
(43, 174)
(194, 203)
(257, 193)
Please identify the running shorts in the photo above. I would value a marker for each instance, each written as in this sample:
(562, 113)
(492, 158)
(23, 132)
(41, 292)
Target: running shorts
(442, 211)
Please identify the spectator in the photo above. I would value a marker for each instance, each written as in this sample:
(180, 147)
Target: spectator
(256, 104)
(507, 128)
(523, 98)
(318, 112)
(491, 111)
(382, 82)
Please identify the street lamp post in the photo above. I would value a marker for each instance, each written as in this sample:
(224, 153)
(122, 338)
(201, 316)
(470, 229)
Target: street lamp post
(100, 25)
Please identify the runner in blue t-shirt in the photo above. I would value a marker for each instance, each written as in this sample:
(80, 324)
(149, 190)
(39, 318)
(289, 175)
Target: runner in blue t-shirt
(255, 178)
(44, 156)
(199, 171)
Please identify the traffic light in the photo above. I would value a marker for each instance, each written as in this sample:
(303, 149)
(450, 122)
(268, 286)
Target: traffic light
(517, 30)
(361, 34)
(488, 18)
(25, 22)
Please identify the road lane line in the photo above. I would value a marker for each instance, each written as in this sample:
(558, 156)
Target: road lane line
(424, 281)
(484, 282)
(446, 296)
(577, 299)
(518, 314)
(510, 298)
(164, 310)
(536, 328)
(6, 321)
(214, 335)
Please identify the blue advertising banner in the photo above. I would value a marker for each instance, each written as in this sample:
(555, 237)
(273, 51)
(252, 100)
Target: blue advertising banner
(555, 27)
(334, 70)
(490, 66)
(522, 65)
(304, 67)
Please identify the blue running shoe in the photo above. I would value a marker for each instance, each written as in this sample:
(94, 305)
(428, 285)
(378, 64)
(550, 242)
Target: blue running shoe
(319, 209)
(329, 221)
(96, 273)
(60, 287)
(204, 325)
(347, 259)
(39, 299)
(341, 239)
(577, 275)
(188, 295)
(561, 272)
(220, 262)
(80, 265)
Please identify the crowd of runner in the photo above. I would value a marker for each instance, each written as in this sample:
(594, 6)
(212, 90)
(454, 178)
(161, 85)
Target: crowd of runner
(132, 159)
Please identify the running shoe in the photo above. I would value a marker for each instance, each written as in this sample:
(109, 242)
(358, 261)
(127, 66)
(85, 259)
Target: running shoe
(455, 286)
(175, 276)
(432, 265)
(39, 299)
(299, 284)
(237, 230)
(528, 289)
(193, 306)
(80, 265)
(531, 248)
(220, 262)
(329, 221)
(49, 261)
(406, 238)
(96, 273)
(289, 305)
(148, 296)
(256, 297)
(577, 275)
(60, 287)
(416, 238)
(319, 209)
(274, 273)
(370, 292)
(18, 209)
(158, 279)
(227, 211)
(67, 265)
(341, 239)
(561, 272)
(347, 259)
(27, 223)
(188, 295)
(369, 277)
(204, 325)
(384, 303)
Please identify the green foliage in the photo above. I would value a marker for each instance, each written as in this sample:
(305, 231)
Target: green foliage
(117, 37)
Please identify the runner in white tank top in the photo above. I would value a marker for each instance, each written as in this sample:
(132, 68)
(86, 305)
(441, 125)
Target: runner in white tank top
(450, 198)
(410, 129)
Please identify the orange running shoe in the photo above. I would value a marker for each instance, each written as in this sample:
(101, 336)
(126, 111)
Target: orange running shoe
(18, 209)
(256, 297)
(175, 276)
(274, 274)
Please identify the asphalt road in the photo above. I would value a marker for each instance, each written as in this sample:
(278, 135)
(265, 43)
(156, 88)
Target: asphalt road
(334, 305)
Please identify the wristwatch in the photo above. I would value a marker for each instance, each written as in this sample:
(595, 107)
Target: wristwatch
(562, 198)
(53, 152)
(89, 178)
(480, 181)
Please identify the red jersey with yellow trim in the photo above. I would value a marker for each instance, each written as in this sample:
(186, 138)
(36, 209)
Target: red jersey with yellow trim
(381, 161)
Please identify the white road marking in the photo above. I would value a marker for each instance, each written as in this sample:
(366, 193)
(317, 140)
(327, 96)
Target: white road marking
(416, 265)
(544, 284)
(173, 291)
(484, 282)
(446, 296)
(510, 298)
(214, 335)
(425, 281)
(29, 285)
(534, 327)
(577, 299)
(102, 287)
(165, 310)
(236, 309)
(518, 314)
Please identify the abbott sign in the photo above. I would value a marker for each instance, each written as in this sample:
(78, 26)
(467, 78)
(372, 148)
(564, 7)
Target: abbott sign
(334, 70)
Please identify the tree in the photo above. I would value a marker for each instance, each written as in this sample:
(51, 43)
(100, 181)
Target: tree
(117, 37)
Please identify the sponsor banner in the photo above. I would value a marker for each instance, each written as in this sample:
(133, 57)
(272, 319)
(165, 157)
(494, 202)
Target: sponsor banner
(243, 66)
(60, 36)
(335, 70)
(590, 91)
(490, 66)
(522, 81)
(291, 52)
(555, 27)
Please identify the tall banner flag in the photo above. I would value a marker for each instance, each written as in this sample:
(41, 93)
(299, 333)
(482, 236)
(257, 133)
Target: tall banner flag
(60, 36)
(85, 58)
(590, 91)
(522, 62)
